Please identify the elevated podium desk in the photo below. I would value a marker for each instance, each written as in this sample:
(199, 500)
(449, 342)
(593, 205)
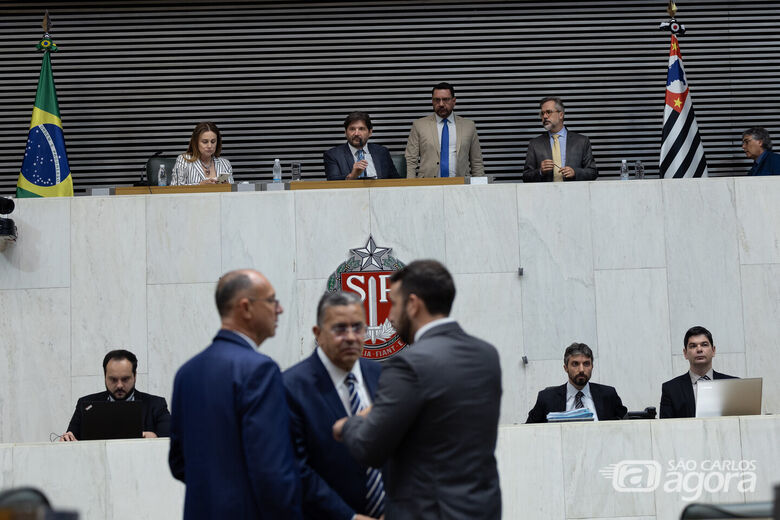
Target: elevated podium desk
(379, 183)
(158, 190)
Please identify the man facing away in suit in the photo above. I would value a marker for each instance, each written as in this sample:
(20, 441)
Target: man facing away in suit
(435, 417)
(678, 395)
(442, 143)
(333, 382)
(757, 145)
(357, 158)
(230, 429)
(578, 391)
(558, 154)
(119, 368)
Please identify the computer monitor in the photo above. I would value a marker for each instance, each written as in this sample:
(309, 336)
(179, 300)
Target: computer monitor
(724, 397)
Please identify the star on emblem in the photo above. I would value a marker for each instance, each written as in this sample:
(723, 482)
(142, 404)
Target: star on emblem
(677, 103)
(370, 255)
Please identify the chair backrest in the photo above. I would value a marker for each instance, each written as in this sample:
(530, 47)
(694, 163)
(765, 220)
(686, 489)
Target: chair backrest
(399, 160)
(647, 413)
(23, 498)
(153, 168)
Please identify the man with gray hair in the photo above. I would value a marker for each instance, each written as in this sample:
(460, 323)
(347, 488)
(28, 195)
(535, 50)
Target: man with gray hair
(334, 382)
(558, 154)
(757, 145)
(578, 391)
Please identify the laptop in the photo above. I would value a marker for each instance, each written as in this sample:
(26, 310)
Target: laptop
(724, 397)
(111, 420)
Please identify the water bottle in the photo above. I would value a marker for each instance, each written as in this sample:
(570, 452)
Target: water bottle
(277, 171)
(161, 181)
(623, 171)
(639, 170)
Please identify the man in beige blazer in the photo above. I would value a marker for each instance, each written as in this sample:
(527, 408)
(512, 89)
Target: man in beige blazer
(424, 148)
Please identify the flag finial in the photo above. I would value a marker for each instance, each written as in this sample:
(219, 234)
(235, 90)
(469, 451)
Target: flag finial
(672, 25)
(46, 44)
(671, 8)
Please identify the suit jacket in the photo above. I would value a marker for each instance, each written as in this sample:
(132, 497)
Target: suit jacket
(677, 399)
(423, 146)
(609, 407)
(334, 484)
(230, 435)
(157, 419)
(768, 163)
(435, 421)
(339, 162)
(578, 156)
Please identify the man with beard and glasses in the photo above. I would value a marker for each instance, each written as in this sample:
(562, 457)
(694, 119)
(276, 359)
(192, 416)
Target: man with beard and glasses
(357, 158)
(443, 144)
(558, 154)
(119, 368)
(578, 391)
(434, 420)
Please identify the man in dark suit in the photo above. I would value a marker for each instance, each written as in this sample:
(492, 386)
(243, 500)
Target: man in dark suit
(319, 391)
(435, 417)
(119, 368)
(678, 395)
(357, 158)
(558, 154)
(757, 145)
(230, 428)
(578, 392)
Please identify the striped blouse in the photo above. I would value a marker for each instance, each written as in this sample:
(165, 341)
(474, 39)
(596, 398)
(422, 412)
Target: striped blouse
(186, 172)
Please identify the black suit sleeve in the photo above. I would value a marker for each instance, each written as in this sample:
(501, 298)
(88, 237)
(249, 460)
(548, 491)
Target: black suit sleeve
(161, 418)
(332, 170)
(392, 173)
(532, 169)
(666, 411)
(371, 439)
(619, 411)
(74, 426)
(538, 413)
(587, 170)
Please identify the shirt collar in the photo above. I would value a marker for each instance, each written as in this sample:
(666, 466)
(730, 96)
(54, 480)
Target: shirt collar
(695, 377)
(450, 118)
(247, 339)
(431, 324)
(561, 133)
(131, 397)
(354, 150)
(337, 374)
(571, 390)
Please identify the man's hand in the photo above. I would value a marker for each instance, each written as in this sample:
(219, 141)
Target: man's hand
(547, 166)
(337, 427)
(68, 437)
(358, 168)
(149, 435)
(567, 172)
(365, 411)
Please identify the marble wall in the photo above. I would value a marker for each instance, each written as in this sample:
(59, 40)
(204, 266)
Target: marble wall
(550, 471)
(625, 267)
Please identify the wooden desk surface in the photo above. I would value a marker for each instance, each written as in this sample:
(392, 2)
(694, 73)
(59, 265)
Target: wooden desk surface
(376, 183)
(146, 190)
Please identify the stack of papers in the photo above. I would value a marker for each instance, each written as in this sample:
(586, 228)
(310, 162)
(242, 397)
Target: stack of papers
(580, 414)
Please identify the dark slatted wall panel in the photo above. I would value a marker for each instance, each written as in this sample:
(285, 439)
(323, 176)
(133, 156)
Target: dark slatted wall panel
(278, 78)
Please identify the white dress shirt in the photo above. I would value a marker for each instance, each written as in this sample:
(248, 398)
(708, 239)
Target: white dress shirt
(695, 379)
(338, 376)
(587, 399)
(370, 171)
(453, 140)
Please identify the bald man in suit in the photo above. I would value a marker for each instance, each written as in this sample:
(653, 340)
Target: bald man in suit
(423, 147)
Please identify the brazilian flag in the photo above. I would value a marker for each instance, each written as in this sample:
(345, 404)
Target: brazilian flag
(45, 171)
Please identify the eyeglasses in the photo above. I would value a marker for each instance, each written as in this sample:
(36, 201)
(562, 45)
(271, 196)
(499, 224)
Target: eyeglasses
(342, 329)
(746, 141)
(547, 112)
(438, 100)
(271, 299)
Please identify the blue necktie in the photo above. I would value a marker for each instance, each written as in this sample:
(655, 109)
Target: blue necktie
(444, 162)
(360, 156)
(375, 489)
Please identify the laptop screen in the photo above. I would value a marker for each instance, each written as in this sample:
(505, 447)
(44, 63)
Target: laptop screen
(724, 397)
(111, 420)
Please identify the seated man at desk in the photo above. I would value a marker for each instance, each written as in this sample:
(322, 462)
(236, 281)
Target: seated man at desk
(357, 158)
(678, 395)
(578, 392)
(119, 368)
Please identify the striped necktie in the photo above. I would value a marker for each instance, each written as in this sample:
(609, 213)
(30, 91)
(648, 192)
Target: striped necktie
(360, 156)
(375, 489)
(578, 400)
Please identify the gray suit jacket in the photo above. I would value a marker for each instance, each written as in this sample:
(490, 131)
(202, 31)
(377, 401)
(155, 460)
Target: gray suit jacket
(423, 146)
(434, 422)
(578, 156)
